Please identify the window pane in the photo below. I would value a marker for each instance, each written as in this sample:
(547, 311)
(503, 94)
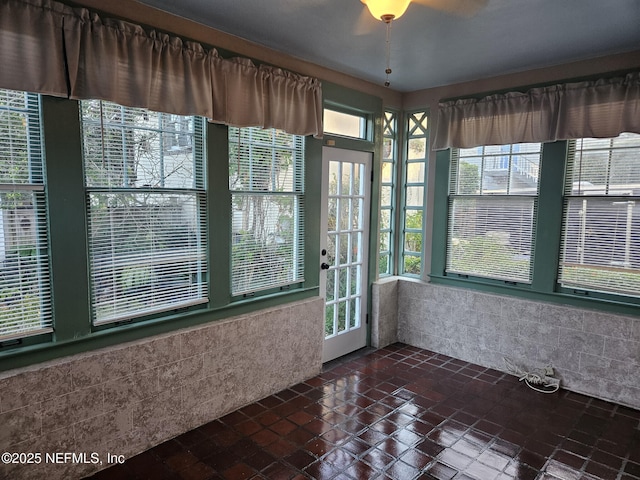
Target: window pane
(491, 220)
(498, 170)
(387, 172)
(415, 197)
(415, 172)
(147, 249)
(387, 194)
(412, 264)
(469, 176)
(413, 193)
(601, 233)
(491, 237)
(344, 124)
(25, 296)
(417, 148)
(413, 231)
(146, 253)
(266, 177)
(134, 147)
(265, 242)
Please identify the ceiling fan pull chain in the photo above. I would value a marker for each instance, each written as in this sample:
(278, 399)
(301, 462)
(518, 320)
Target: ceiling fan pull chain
(388, 53)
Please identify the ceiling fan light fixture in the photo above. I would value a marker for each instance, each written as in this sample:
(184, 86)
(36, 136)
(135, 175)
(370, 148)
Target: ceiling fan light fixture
(387, 10)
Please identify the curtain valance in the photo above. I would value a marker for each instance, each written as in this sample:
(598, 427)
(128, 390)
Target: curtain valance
(47, 47)
(601, 109)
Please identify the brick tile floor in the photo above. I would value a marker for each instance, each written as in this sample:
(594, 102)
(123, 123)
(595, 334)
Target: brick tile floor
(404, 413)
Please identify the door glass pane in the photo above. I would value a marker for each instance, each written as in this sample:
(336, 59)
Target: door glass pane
(353, 314)
(344, 248)
(329, 320)
(342, 290)
(334, 174)
(357, 180)
(344, 214)
(346, 179)
(342, 316)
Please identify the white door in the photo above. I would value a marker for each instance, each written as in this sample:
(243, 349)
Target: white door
(343, 243)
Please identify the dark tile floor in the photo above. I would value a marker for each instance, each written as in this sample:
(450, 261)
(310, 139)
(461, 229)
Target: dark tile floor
(403, 413)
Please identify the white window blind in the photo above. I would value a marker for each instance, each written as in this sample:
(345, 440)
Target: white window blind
(25, 292)
(492, 211)
(266, 179)
(145, 181)
(601, 233)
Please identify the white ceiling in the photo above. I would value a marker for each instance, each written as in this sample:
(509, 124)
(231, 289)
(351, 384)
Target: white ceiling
(429, 47)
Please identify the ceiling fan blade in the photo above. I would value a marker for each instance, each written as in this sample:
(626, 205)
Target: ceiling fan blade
(466, 8)
(366, 24)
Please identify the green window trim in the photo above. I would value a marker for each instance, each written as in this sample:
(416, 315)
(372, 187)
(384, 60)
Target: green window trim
(25, 289)
(414, 175)
(66, 197)
(146, 197)
(266, 180)
(388, 193)
(547, 238)
(493, 211)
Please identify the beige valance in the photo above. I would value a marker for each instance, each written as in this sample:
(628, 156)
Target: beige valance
(50, 48)
(31, 47)
(600, 109)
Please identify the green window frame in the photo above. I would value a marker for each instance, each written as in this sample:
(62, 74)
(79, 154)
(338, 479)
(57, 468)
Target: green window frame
(412, 222)
(556, 191)
(493, 211)
(146, 197)
(386, 244)
(266, 180)
(600, 250)
(25, 290)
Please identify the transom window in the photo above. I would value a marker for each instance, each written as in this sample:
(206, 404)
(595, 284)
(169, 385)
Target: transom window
(344, 124)
(144, 177)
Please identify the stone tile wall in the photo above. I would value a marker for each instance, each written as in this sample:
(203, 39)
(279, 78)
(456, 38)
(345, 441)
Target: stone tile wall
(384, 303)
(593, 352)
(126, 399)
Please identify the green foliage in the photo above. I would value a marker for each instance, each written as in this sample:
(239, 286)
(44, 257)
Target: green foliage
(19, 283)
(469, 179)
(262, 161)
(19, 292)
(601, 279)
(412, 265)
(485, 256)
(413, 240)
(383, 264)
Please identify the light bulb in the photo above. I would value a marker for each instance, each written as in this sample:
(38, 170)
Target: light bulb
(387, 10)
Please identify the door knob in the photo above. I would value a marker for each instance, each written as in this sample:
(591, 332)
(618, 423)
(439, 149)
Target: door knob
(324, 266)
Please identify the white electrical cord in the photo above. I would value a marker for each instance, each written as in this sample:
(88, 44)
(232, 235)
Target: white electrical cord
(539, 379)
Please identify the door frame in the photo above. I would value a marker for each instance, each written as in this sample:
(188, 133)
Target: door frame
(346, 342)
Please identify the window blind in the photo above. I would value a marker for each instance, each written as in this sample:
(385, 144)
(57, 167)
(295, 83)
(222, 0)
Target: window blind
(266, 179)
(25, 292)
(601, 232)
(492, 211)
(144, 174)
